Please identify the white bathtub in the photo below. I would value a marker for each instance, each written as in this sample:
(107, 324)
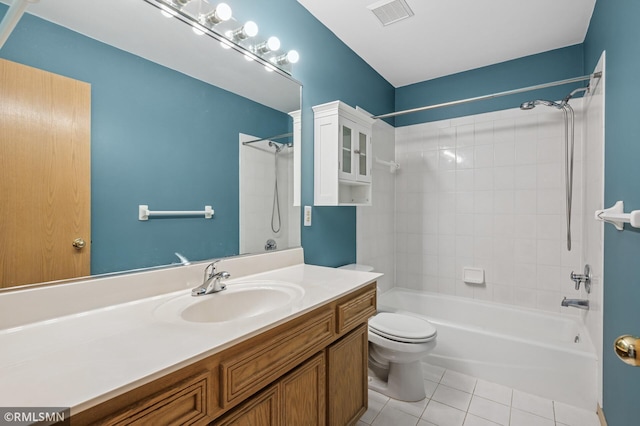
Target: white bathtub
(528, 350)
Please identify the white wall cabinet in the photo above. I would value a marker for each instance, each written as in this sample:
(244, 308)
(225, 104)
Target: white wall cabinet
(342, 155)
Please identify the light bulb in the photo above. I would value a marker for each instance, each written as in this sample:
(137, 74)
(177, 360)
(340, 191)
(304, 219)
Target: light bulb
(273, 43)
(250, 29)
(221, 13)
(293, 56)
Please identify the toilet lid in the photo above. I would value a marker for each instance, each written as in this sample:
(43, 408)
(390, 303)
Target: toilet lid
(402, 328)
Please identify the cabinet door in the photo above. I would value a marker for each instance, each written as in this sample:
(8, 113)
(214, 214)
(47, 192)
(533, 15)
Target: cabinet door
(262, 409)
(363, 152)
(347, 378)
(302, 393)
(348, 144)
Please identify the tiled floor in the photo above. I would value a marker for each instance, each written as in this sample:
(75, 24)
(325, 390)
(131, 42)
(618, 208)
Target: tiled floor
(455, 399)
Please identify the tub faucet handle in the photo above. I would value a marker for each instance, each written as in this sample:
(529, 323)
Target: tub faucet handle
(582, 278)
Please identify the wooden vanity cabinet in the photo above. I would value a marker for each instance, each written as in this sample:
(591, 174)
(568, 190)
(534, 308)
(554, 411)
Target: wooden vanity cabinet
(311, 370)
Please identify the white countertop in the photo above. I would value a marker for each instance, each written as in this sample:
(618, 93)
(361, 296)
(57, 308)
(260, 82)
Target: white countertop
(82, 359)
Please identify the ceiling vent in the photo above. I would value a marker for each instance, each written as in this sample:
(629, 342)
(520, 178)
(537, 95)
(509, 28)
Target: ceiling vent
(391, 11)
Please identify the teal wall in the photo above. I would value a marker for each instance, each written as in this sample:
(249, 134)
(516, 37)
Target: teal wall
(532, 70)
(614, 28)
(158, 138)
(329, 71)
(136, 144)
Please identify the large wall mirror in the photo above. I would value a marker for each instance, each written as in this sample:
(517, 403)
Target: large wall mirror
(168, 112)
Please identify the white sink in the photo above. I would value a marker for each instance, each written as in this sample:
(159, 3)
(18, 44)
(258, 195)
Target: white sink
(241, 300)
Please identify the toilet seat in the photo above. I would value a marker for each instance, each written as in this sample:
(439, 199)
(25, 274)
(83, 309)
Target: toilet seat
(402, 328)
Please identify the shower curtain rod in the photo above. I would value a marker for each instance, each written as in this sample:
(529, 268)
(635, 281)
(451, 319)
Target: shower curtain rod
(271, 138)
(494, 95)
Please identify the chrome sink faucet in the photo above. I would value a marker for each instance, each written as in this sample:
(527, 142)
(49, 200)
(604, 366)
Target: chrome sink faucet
(211, 282)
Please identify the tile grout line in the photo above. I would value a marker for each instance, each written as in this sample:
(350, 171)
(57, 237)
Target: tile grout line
(511, 407)
(379, 412)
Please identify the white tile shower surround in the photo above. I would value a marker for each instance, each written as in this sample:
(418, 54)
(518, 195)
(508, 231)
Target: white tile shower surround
(488, 191)
(257, 180)
(455, 399)
(375, 223)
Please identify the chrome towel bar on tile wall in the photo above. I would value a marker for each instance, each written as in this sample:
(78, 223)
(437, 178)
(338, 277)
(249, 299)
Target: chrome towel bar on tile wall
(144, 213)
(615, 215)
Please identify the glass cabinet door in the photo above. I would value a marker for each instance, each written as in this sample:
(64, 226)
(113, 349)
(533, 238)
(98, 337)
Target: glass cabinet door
(363, 157)
(346, 150)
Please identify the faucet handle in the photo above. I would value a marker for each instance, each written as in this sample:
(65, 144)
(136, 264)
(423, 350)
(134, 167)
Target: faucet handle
(582, 278)
(210, 270)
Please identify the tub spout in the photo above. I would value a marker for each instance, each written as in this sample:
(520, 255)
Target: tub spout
(575, 303)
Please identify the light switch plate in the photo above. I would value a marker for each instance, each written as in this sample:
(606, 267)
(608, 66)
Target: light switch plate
(307, 215)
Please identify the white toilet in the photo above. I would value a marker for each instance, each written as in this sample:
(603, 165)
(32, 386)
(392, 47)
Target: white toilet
(397, 343)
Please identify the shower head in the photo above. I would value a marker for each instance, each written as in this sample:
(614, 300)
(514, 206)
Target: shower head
(565, 101)
(527, 105)
(278, 147)
(532, 104)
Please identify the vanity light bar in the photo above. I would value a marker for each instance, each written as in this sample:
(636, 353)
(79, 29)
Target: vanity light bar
(221, 26)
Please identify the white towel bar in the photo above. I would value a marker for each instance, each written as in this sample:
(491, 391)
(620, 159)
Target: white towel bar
(144, 213)
(393, 166)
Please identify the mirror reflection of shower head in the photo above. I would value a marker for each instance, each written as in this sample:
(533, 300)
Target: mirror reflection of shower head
(278, 147)
(527, 105)
(532, 104)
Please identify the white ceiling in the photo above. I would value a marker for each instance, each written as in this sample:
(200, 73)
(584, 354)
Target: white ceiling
(450, 36)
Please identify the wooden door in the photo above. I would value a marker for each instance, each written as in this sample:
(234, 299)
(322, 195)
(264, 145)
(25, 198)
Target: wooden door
(45, 169)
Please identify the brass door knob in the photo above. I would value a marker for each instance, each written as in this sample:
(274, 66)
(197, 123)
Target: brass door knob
(78, 243)
(627, 348)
